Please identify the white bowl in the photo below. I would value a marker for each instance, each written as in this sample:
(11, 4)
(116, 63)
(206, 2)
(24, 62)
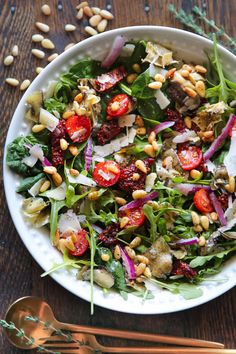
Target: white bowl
(186, 45)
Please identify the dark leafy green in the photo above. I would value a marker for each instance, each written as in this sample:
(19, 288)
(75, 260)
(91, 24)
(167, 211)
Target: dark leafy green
(140, 89)
(28, 182)
(150, 109)
(202, 260)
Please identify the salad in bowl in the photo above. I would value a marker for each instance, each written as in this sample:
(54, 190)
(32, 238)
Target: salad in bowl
(130, 164)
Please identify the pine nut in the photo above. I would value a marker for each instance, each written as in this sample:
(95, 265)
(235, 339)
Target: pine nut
(57, 179)
(96, 10)
(69, 244)
(93, 195)
(170, 73)
(131, 78)
(201, 241)
(61, 245)
(231, 186)
(124, 221)
(117, 253)
(200, 69)
(90, 30)
(105, 257)
(159, 78)
(25, 84)
(79, 98)
(37, 38)
(73, 150)
(45, 186)
(131, 253)
(113, 168)
(63, 144)
(142, 259)
(135, 242)
(151, 137)
(70, 28)
(188, 122)
(74, 172)
(68, 114)
(200, 88)
(46, 10)
(94, 20)
(194, 174)
(106, 14)
(184, 73)
(136, 176)
(50, 170)
(38, 69)
(70, 45)
(80, 14)
(139, 121)
(214, 216)
(153, 204)
(52, 57)
(204, 222)
(140, 269)
(155, 85)
(38, 53)
(197, 228)
(141, 166)
(81, 5)
(12, 82)
(190, 92)
(15, 50)
(139, 280)
(120, 201)
(47, 44)
(87, 11)
(147, 272)
(141, 131)
(102, 25)
(187, 67)
(208, 134)
(137, 68)
(195, 218)
(149, 150)
(139, 193)
(8, 60)
(38, 128)
(42, 27)
(155, 145)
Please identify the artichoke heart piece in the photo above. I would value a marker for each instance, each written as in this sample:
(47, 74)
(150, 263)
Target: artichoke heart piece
(33, 205)
(33, 104)
(160, 258)
(158, 55)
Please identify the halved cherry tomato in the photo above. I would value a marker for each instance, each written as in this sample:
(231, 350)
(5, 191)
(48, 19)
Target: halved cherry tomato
(81, 244)
(136, 216)
(202, 201)
(106, 173)
(189, 156)
(78, 128)
(119, 105)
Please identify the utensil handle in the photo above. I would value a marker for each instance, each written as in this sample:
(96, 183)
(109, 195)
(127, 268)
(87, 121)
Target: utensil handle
(173, 350)
(158, 338)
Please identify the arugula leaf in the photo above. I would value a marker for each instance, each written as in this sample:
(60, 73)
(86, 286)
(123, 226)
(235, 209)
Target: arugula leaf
(66, 264)
(71, 197)
(56, 206)
(92, 246)
(51, 105)
(140, 87)
(148, 211)
(28, 182)
(201, 260)
(150, 109)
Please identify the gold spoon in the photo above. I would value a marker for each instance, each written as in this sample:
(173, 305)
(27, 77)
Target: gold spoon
(36, 307)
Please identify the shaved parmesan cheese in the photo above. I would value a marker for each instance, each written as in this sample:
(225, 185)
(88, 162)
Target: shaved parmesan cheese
(210, 166)
(50, 89)
(230, 158)
(127, 120)
(81, 179)
(161, 99)
(48, 119)
(153, 70)
(106, 176)
(78, 133)
(150, 180)
(34, 190)
(30, 160)
(131, 135)
(37, 152)
(69, 222)
(185, 136)
(58, 193)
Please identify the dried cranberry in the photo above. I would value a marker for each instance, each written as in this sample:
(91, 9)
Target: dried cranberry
(108, 236)
(107, 132)
(126, 182)
(175, 116)
(56, 135)
(176, 93)
(223, 199)
(182, 268)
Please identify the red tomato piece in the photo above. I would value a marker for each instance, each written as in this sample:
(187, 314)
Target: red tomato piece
(136, 216)
(107, 173)
(189, 156)
(202, 201)
(119, 105)
(78, 128)
(81, 244)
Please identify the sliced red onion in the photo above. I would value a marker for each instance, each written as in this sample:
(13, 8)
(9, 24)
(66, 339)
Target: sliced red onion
(162, 126)
(218, 208)
(219, 140)
(139, 202)
(187, 241)
(128, 264)
(114, 52)
(96, 228)
(188, 188)
(88, 154)
(46, 162)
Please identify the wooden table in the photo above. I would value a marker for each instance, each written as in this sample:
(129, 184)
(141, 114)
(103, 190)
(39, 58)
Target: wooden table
(19, 274)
